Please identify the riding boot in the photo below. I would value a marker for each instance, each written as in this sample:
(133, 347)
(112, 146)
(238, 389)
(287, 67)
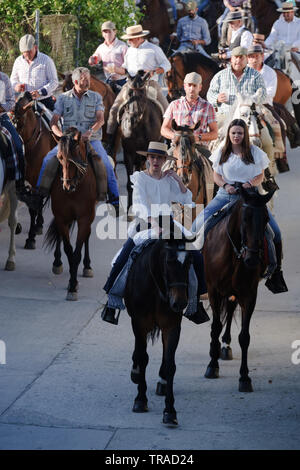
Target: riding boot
(200, 316)
(276, 282)
(23, 193)
(109, 314)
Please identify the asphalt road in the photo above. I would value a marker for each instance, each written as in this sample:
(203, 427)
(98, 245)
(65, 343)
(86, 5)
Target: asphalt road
(66, 381)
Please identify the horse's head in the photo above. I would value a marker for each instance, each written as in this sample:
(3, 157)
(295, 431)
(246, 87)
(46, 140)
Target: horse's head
(246, 109)
(67, 81)
(254, 218)
(176, 266)
(175, 77)
(71, 154)
(24, 107)
(184, 150)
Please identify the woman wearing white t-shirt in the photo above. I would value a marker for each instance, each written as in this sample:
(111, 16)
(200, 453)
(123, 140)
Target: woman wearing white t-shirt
(237, 161)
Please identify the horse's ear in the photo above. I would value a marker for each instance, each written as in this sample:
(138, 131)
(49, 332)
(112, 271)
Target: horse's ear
(61, 75)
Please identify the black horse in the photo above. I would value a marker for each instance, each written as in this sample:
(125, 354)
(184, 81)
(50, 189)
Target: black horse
(155, 297)
(234, 263)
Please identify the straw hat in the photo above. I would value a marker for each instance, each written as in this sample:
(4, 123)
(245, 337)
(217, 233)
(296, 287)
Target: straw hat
(255, 49)
(287, 6)
(156, 148)
(135, 31)
(235, 15)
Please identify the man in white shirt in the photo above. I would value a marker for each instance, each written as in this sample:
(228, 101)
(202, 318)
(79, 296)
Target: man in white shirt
(141, 55)
(35, 72)
(241, 36)
(256, 61)
(111, 52)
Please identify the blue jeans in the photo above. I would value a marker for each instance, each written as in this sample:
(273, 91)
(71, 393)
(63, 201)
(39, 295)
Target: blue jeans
(220, 200)
(113, 191)
(6, 122)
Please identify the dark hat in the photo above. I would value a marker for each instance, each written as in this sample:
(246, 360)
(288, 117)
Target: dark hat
(255, 49)
(235, 15)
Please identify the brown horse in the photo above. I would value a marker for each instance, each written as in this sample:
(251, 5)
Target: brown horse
(73, 199)
(156, 294)
(284, 88)
(140, 121)
(234, 263)
(193, 167)
(265, 14)
(156, 20)
(181, 64)
(38, 141)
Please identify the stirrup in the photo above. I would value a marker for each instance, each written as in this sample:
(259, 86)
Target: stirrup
(108, 314)
(200, 316)
(276, 284)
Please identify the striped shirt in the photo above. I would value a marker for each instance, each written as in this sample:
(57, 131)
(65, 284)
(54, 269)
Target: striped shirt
(40, 75)
(7, 99)
(226, 82)
(186, 114)
(193, 28)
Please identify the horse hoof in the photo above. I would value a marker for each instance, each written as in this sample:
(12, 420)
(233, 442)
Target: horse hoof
(212, 373)
(29, 245)
(88, 272)
(140, 406)
(18, 229)
(57, 269)
(226, 353)
(245, 386)
(170, 419)
(39, 230)
(76, 287)
(161, 389)
(10, 266)
(72, 296)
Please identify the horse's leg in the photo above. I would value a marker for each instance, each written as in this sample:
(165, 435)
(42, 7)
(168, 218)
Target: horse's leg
(87, 270)
(30, 242)
(226, 351)
(161, 388)
(57, 267)
(39, 223)
(84, 231)
(244, 340)
(170, 340)
(12, 222)
(140, 360)
(212, 371)
(129, 171)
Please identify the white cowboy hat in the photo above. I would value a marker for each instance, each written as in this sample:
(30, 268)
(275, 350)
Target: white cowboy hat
(135, 31)
(287, 6)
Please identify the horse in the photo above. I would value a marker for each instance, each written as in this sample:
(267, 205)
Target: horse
(193, 167)
(38, 141)
(183, 63)
(265, 13)
(156, 294)
(234, 263)
(156, 20)
(8, 210)
(73, 199)
(140, 120)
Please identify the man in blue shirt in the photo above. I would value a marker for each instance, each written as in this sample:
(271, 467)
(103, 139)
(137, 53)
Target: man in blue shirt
(192, 31)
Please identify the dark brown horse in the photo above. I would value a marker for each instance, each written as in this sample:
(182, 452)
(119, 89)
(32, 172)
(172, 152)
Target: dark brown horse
(73, 199)
(155, 296)
(193, 167)
(38, 141)
(140, 121)
(181, 64)
(265, 14)
(156, 20)
(234, 263)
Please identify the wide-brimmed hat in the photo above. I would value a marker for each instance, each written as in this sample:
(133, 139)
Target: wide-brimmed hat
(135, 31)
(287, 6)
(235, 15)
(156, 148)
(255, 49)
(191, 5)
(26, 43)
(108, 25)
(193, 77)
(239, 50)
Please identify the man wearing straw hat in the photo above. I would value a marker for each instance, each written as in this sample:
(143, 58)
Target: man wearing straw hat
(141, 55)
(241, 36)
(286, 28)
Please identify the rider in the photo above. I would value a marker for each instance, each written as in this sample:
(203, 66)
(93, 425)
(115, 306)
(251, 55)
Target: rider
(83, 109)
(237, 78)
(237, 160)
(7, 104)
(35, 72)
(153, 192)
(141, 55)
(189, 110)
(241, 36)
(286, 28)
(111, 52)
(193, 31)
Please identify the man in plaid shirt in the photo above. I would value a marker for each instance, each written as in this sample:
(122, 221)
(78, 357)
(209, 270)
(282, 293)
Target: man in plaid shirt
(189, 110)
(236, 78)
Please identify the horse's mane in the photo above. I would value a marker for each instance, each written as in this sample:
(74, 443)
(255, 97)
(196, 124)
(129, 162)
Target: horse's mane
(192, 59)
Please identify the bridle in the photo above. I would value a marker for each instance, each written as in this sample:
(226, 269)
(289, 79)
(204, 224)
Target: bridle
(81, 169)
(37, 131)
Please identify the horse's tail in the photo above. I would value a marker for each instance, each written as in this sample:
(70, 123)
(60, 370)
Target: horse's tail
(154, 334)
(227, 308)
(52, 236)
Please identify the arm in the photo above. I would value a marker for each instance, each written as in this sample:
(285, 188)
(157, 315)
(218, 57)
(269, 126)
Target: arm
(54, 125)
(219, 180)
(9, 102)
(96, 126)
(214, 91)
(163, 64)
(14, 78)
(166, 129)
(52, 80)
(211, 135)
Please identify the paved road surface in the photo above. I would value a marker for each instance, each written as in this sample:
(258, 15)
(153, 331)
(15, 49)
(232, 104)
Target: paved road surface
(66, 381)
